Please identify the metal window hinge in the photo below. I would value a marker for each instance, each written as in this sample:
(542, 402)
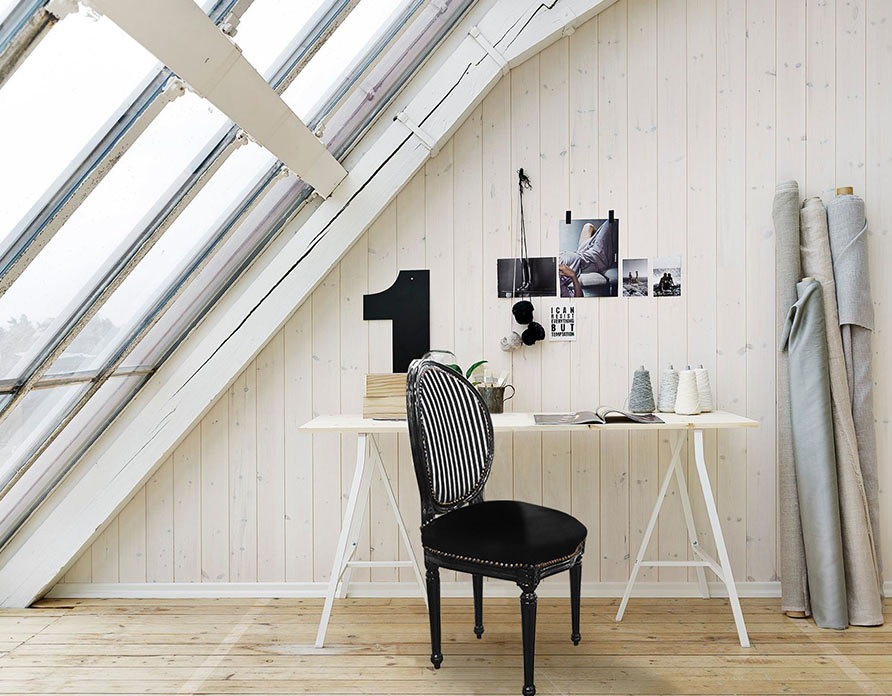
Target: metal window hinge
(474, 33)
(426, 140)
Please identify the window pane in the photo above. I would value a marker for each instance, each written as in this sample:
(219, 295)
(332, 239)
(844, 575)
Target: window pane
(56, 101)
(28, 491)
(349, 42)
(155, 274)
(40, 301)
(30, 422)
(269, 26)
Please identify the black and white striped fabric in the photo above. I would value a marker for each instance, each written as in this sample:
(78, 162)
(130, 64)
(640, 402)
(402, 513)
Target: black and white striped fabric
(456, 432)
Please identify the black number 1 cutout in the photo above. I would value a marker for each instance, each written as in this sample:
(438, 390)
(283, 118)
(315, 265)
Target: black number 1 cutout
(407, 302)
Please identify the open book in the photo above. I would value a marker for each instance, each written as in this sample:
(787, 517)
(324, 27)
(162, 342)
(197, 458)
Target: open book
(603, 415)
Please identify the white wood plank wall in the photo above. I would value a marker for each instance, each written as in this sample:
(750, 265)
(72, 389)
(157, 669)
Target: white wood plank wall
(678, 114)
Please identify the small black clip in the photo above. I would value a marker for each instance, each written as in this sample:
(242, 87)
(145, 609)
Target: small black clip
(567, 217)
(610, 216)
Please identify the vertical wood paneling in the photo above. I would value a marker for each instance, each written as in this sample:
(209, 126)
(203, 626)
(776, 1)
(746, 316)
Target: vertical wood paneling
(299, 523)
(585, 483)
(396, 240)
(215, 513)
(354, 367)
(760, 325)
(326, 447)
(613, 315)
(641, 239)
(879, 213)
(243, 476)
(731, 339)
(498, 229)
(526, 362)
(271, 459)
(132, 539)
(672, 240)
(187, 508)
(159, 524)
(680, 115)
(701, 228)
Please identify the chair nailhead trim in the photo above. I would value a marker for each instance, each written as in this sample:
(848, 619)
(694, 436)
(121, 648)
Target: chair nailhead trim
(508, 565)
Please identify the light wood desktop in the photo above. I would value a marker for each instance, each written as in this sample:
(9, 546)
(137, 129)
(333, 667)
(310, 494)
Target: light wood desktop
(677, 426)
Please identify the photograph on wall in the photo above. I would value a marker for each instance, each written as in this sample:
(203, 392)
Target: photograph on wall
(529, 277)
(635, 278)
(562, 322)
(666, 276)
(588, 263)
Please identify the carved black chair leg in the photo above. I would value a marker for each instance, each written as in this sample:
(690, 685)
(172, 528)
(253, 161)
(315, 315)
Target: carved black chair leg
(575, 592)
(433, 604)
(528, 603)
(478, 604)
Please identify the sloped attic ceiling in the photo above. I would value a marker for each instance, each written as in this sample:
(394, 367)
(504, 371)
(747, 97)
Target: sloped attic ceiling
(183, 381)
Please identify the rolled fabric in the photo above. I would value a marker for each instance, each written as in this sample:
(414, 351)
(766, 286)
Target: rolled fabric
(848, 246)
(794, 583)
(805, 340)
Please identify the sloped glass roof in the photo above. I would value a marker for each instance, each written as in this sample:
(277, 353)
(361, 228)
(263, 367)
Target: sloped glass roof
(172, 221)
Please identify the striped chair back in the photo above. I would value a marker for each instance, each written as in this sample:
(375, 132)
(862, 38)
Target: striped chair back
(450, 431)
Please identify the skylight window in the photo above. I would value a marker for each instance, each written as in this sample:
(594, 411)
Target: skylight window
(56, 101)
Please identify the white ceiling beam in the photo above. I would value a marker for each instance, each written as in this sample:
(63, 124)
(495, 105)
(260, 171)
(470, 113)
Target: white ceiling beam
(187, 384)
(182, 37)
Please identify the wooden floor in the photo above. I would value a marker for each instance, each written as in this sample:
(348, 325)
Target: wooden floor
(378, 646)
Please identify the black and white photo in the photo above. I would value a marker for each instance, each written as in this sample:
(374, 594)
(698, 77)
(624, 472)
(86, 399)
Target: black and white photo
(530, 277)
(635, 278)
(588, 263)
(666, 276)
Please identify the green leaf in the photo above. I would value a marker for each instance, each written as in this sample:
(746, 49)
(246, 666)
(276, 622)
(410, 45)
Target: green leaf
(454, 367)
(474, 367)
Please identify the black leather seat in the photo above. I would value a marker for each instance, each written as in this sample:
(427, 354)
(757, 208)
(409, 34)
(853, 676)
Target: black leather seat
(506, 532)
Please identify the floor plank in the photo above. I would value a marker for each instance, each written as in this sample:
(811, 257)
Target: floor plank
(379, 646)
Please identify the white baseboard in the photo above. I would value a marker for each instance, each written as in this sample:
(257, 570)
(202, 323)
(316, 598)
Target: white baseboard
(180, 590)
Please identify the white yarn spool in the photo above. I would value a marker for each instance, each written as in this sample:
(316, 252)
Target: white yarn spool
(687, 402)
(668, 390)
(704, 393)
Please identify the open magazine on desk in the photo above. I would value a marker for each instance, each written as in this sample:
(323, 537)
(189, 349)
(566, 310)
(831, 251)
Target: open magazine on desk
(601, 416)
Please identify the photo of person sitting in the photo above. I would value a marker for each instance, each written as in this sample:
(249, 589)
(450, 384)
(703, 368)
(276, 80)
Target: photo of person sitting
(587, 263)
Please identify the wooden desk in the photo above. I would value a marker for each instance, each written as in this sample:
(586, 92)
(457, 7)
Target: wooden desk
(678, 426)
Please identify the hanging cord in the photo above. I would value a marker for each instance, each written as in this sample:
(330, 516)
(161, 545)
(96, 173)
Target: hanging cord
(524, 184)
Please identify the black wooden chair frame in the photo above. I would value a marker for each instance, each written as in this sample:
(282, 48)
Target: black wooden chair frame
(527, 577)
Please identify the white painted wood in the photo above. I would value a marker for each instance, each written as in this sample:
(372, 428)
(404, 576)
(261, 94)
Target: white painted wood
(159, 524)
(270, 461)
(672, 192)
(404, 221)
(181, 36)
(132, 539)
(760, 326)
(215, 513)
(187, 508)
(613, 350)
(731, 337)
(243, 476)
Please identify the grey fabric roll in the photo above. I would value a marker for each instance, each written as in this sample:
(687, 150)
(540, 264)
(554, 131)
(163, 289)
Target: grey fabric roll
(794, 583)
(805, 339)
(848, 244)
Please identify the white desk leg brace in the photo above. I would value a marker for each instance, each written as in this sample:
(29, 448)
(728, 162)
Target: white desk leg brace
(354, 517)
(722, 568)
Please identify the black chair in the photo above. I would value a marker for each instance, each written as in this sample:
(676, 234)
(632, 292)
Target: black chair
(451, 434)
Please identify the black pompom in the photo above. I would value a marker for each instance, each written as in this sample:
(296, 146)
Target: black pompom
(523, 312)
(534, 332)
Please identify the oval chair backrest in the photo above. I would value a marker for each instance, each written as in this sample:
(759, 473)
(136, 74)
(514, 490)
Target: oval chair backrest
(450, 431)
